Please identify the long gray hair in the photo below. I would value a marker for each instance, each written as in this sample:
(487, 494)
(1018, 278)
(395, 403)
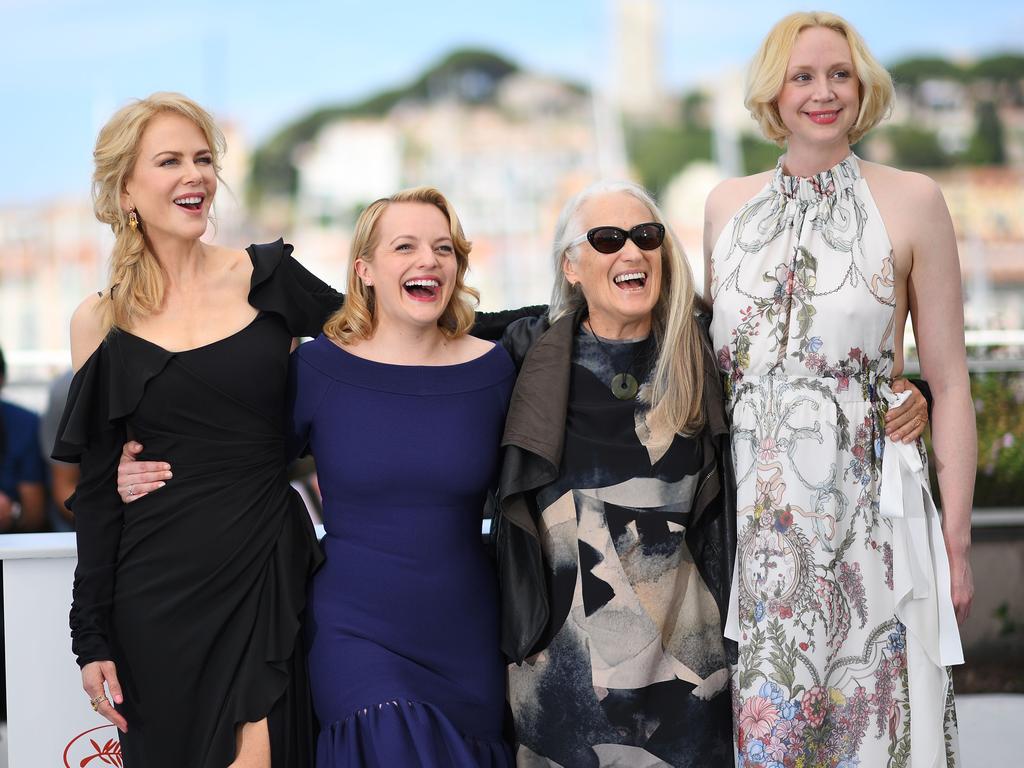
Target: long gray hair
(676, 388)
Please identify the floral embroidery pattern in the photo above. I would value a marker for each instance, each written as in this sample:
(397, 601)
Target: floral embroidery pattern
(804, 307)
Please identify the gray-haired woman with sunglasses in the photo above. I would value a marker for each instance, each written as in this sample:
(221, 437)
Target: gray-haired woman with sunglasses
(616, 526)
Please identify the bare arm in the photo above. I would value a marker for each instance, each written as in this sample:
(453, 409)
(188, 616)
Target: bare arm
(86, 330)
(715, 215)
(936, 307)
(64, 478)
(33, 507)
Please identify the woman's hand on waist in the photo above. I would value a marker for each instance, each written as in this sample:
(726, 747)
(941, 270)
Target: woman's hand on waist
(136, 478)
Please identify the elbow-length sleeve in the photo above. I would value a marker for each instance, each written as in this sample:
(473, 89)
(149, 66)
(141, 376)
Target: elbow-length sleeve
(282, 285)
(90, 434)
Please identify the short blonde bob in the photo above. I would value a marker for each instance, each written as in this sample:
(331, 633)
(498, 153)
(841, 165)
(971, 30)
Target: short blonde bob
(137, 280)
(767, 75)
(676, 391)
(357, 319)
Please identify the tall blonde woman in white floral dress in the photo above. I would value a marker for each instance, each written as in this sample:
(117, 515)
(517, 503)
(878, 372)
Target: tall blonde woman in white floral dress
(848, 589)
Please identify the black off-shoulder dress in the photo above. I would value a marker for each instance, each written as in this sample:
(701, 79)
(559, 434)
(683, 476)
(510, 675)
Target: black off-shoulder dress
(197, 592)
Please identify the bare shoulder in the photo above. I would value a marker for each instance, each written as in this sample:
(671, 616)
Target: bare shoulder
(87, 329)
(727, 197)
(724, 201)
(911, 187)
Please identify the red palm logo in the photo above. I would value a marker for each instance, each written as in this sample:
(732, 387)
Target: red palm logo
(83, 750)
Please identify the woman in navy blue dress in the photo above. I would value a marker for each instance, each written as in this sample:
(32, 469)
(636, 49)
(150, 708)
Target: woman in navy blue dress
(403, 411)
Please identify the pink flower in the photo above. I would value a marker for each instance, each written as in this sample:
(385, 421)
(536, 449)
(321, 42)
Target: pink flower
(855, 354)
(769, 449)
(785, 612)
(844, 383)
(757, 717)
(724, 359)
(815, 705)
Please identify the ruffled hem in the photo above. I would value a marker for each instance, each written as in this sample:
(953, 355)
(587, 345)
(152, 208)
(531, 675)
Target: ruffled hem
(273, 674)
(412, 734)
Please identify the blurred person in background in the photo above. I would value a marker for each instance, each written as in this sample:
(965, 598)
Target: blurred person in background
(848, 586)
(63, 475)
(22, 491)
(22, 472)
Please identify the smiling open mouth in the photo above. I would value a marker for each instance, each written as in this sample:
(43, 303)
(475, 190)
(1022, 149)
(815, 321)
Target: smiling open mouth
(631, 281)
(422, 289)
(192, 202)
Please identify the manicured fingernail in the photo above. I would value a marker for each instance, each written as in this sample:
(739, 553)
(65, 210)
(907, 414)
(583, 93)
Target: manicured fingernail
(160, 485)
(168, 475)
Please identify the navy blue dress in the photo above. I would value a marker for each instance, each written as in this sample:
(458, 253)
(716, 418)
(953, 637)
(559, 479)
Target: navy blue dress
(403, 617)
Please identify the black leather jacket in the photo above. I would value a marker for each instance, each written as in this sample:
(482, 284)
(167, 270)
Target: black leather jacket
(533, 443)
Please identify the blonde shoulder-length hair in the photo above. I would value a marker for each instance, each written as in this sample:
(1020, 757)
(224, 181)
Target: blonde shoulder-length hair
(357, 318)
(137, 281)
(767, 74)
(676, 389)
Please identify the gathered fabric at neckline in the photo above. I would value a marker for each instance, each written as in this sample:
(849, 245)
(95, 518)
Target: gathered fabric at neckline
(826, 185)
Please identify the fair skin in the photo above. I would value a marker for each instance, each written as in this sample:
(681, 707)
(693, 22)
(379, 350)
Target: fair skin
(414, 245)
(171, 187)
(617, 308)
(412, 273)
(818, 105)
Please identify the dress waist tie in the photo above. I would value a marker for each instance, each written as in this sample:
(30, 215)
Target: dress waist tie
(920, 573)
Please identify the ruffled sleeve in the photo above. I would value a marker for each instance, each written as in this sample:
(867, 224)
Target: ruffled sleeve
(283, 286)
(90, 434)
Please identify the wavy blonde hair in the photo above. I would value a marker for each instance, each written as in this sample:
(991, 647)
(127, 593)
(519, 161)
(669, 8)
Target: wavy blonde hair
(137, 281)
(767, 75)
(676, 389)
(357, 318)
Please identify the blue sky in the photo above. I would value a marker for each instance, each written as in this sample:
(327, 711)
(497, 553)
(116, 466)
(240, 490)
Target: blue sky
(70, 63)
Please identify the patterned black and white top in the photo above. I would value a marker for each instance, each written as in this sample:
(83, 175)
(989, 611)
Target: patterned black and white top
(633, 670)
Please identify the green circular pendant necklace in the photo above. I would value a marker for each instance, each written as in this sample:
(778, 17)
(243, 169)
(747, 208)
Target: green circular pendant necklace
(624, 385)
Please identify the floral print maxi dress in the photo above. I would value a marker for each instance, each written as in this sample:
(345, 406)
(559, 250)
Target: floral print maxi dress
(804, 305)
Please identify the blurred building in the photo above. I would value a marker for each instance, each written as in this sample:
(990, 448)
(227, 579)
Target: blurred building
(50, 258)
(507, 163)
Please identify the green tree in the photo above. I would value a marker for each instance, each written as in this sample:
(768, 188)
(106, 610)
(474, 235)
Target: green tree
(914, 147)
(758, 154)
(986, 147)
(1006, 66)
(913, 71)
(659, 152)
(471, 74)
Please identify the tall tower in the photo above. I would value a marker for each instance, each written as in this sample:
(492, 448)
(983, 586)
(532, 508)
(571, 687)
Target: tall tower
(636, 32)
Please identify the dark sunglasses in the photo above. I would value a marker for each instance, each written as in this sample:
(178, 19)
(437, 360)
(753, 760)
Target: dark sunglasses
(609, 239)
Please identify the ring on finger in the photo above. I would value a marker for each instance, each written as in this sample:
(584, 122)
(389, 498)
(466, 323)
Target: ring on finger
(131, 490)
(95, 701)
